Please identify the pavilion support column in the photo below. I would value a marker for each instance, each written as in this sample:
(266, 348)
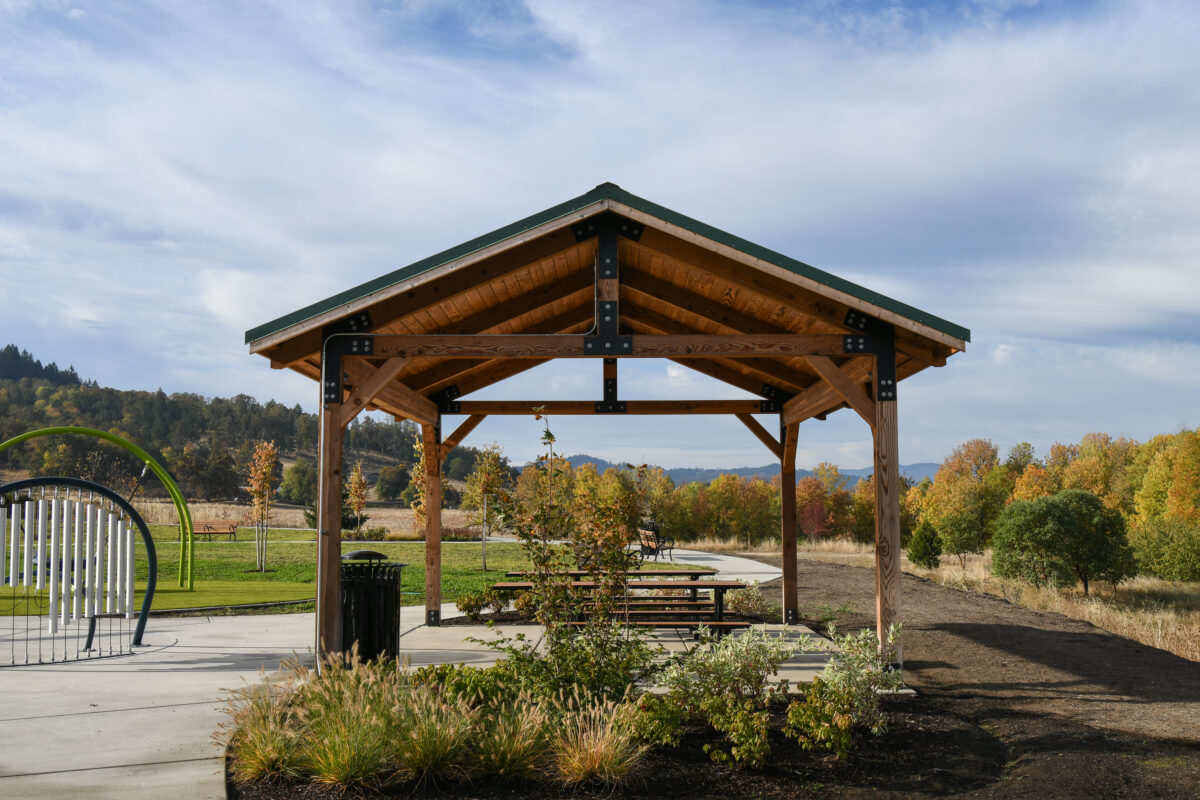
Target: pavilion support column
(430, 437)
(887, 505)
(329, 536)
(787, 488)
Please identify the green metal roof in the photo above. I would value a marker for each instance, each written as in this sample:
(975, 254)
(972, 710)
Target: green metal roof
(608, 191)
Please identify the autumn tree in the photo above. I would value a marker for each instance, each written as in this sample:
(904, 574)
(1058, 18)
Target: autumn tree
(969, 489)
(392, 481)
(262, 490)
(483, 493)
(356, 495)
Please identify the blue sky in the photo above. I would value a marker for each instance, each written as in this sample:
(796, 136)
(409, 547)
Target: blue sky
(172, 174)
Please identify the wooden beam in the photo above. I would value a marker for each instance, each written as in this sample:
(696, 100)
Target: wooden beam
(368, 389)
(573, 346)
(586, 407)
(329, 533)
(787, 488)
(640, 284)
(763, 434)
(443, 373)
(433, 525)
(850, 391)
(395, 396)
(822, 397)
(460, 433)
(887, 521)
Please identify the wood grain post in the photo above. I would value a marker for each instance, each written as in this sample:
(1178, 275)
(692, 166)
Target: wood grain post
(329, 535)
(433, 524)
(787, 488)
(887, 521)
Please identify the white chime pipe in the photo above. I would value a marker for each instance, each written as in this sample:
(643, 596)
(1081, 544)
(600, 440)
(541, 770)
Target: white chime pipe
(127, 535)
(110, 566)
(39, 569)
(14, 543)
(32, 515)
(57, 510)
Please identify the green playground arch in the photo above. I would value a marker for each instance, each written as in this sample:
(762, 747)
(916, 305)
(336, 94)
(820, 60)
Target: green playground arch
(187, 541)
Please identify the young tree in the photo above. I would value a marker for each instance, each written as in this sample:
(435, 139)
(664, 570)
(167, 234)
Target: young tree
(960, 534)
(393, 480)
(357, 494)
(262, 490)
(925, 547)
(483, 493)
(1060, 540)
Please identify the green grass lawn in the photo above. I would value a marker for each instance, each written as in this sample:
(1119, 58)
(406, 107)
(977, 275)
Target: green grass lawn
(225, 573)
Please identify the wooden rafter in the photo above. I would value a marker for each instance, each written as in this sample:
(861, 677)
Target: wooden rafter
(460, 433)
(365, 392)
(763, 434)
(850, 391)
(822, 397)
(394, 397)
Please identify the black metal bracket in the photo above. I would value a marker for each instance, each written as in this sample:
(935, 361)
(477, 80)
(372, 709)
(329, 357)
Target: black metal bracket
(885, 372)
(608, 345)
(775, 393)
(444, 400)
(592, 226)
(610, 407)
(336, 347)
(433, 617)
(770, 406)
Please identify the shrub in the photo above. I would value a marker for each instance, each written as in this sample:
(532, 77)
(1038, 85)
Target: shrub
(925, 547)
(595, 743)
(748, 602)
(961, 534)
(727, 683)
(483, 686)
(472, 603)
(1061, 539)
(846, 694)
(1168, 549)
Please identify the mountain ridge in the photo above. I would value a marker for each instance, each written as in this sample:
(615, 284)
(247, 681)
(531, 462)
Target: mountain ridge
(681, 475)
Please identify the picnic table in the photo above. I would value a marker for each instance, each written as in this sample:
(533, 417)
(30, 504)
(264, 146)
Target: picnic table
(716, 587)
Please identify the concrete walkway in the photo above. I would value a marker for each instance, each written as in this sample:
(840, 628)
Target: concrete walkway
(140, 726)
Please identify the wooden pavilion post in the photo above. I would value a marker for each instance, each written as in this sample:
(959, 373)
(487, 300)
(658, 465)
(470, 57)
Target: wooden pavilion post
(329, 535)
(433, 523)
(787, 488)
(887, 500)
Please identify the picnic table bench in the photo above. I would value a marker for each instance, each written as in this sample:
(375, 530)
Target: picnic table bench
(217, 527)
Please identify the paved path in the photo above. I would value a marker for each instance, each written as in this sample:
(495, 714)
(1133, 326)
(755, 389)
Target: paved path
(139, 726)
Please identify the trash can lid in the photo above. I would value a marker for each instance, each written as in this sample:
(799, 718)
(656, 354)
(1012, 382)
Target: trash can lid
(363, 555)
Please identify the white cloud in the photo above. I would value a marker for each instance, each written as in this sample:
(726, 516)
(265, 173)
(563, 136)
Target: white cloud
(173, 175)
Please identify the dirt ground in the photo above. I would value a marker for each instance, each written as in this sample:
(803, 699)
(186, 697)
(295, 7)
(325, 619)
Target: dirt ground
(1010, 703)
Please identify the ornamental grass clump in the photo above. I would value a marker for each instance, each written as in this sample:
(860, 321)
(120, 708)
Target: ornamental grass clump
(594, 743)
(262, 733)
(347, 711)
(511, 742)
(430, 739)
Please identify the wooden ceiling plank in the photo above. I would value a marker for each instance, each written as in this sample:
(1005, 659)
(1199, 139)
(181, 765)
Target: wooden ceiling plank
(433, 290)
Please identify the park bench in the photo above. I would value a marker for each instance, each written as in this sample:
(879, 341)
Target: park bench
(217, 527)
(686, 610)
(653, 543)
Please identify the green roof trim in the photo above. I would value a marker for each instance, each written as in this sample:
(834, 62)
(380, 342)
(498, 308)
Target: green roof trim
(609, 191)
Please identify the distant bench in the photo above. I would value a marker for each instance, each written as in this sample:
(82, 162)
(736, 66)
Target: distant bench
(211, 528)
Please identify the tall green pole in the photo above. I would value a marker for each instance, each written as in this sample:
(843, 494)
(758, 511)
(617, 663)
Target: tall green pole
(187, 541)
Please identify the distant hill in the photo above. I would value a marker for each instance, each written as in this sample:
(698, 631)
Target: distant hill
(682, 475)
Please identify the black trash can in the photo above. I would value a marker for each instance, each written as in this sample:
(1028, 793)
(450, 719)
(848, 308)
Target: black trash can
(371, 604)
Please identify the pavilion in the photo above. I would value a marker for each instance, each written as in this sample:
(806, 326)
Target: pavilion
(608, 276)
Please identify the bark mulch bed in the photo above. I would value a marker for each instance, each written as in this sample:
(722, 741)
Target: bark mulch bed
(1011, 703)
